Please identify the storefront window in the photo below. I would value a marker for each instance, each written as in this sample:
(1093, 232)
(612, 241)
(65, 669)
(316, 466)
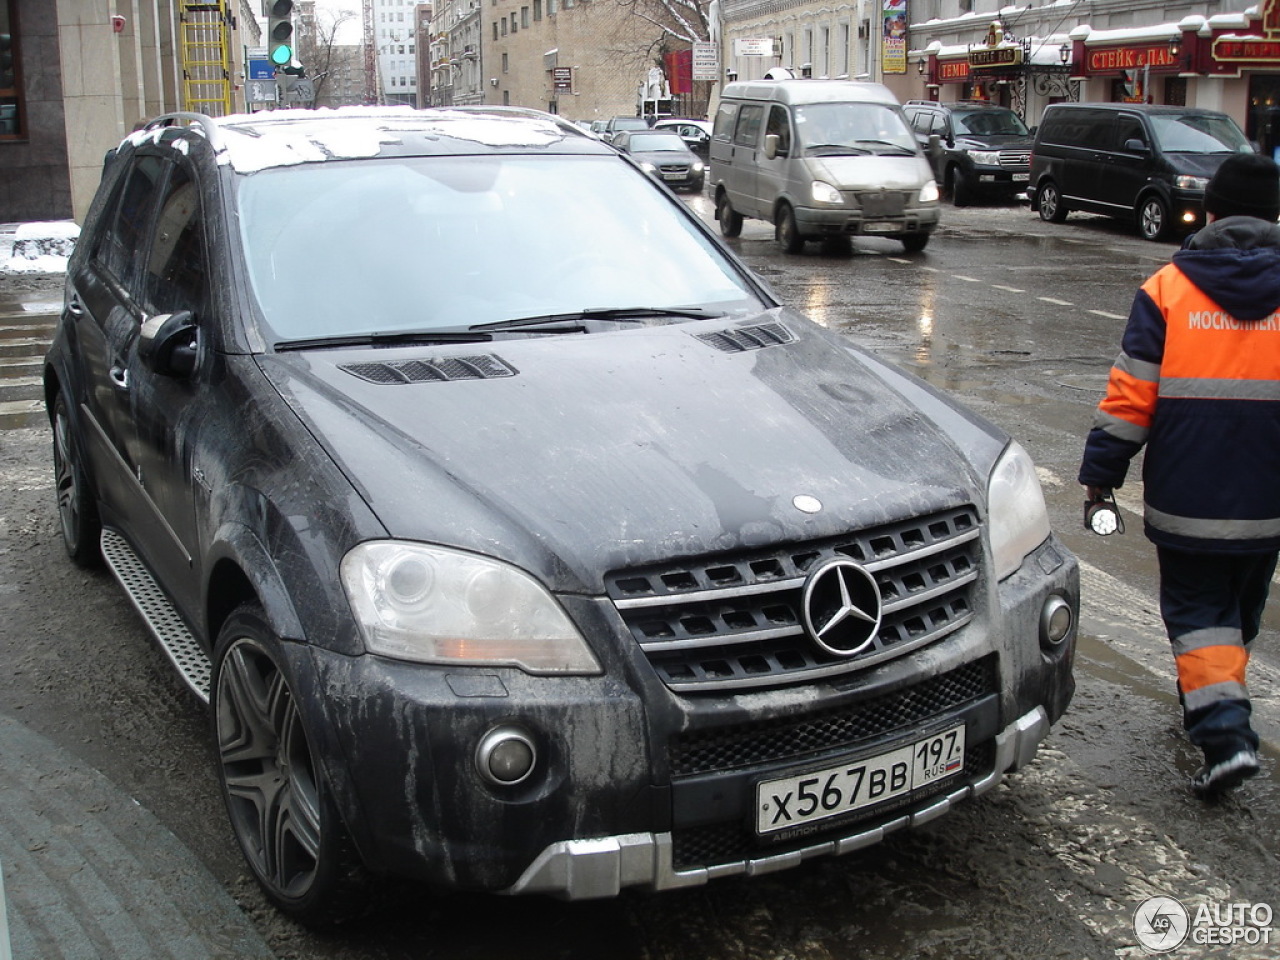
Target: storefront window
(1175, 92)
(10, 102)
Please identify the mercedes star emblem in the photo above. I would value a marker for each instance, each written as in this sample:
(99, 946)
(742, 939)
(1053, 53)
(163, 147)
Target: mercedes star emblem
(841, 607)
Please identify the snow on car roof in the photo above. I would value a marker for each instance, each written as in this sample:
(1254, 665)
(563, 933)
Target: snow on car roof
(279, 138)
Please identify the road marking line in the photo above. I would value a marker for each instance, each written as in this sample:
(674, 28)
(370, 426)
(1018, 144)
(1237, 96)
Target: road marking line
(1060, 303)
(1109, 316)
(1000, 286)
(960, 276)
(899, 260)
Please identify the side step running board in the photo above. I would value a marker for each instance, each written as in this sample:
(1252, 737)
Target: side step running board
(177, 641)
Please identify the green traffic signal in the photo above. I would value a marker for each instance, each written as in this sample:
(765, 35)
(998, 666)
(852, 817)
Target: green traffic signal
(280, 32)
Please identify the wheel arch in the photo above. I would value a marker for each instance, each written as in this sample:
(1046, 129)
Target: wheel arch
(241, 571)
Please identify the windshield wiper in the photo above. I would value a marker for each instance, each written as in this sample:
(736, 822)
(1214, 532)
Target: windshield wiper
(385, 339)
(572, 321)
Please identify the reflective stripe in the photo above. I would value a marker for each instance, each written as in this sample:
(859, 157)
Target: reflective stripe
(1211, 666)
(1140, 369)
(1213, 529)
(1208, 637)
(1207, 696)
(1120, 429)
(1220, 389)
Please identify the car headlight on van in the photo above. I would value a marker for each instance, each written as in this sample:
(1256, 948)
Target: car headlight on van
(824, 192)
(929, 192)
(1186, 182)
(1019, 521)
(435, 605)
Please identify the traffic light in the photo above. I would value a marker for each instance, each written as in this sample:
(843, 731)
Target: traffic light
(280, 32)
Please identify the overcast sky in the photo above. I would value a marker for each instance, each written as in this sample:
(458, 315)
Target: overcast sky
(350, 32)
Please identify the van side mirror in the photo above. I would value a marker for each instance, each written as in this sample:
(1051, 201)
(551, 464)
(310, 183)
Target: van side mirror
(1135, 146)
(934, 148)
(771, 142)
(167, 343)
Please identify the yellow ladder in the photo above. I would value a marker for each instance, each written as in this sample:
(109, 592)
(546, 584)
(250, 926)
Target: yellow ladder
(206, 58)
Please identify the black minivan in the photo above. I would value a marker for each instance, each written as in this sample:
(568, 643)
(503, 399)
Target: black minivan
(1123, 159)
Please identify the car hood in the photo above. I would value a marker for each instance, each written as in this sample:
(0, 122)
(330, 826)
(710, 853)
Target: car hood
(658, 157)
(1001, 142)
(866, 171)
(574, 455)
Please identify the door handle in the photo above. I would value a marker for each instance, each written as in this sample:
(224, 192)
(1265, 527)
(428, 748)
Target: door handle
(75, 306)
(119, 377)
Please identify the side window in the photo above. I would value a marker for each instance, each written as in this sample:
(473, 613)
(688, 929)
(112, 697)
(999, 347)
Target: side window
(939, 125)
(176, 275)
(725, 117)
(780, 124)
(1128, 128)
(747, 133)
(124, 231)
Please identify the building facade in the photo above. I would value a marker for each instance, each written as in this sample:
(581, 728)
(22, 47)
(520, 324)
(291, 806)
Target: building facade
(78, 75)
(392, 26)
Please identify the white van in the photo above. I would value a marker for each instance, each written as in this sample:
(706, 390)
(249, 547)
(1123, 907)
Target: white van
(820, 158)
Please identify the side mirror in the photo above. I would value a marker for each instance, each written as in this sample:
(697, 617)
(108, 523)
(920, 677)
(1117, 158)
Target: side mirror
(934, 147)
(167, 343)
(1135, 146)
(771, 141)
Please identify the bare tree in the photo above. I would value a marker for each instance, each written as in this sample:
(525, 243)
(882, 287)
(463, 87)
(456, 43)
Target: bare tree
(317, 53)
(682, 20)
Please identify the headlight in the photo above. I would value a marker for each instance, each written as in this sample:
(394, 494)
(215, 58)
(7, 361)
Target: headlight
(929, 192)
(1185, 182)
(988, 157)
(1019, 520)
(432, 605)
(696, 166)
(648, 167)
(824, 192)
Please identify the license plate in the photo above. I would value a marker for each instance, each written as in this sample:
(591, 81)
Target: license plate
(674, 176)
(1021, 177)
(881, 226)
(795, 801)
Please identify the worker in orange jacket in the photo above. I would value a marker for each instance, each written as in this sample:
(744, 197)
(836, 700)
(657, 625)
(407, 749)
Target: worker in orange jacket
(1197, 383)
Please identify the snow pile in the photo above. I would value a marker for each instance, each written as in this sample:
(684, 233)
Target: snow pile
(41, 247)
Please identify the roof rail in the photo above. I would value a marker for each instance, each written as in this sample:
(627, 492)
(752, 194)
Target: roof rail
(208, 126)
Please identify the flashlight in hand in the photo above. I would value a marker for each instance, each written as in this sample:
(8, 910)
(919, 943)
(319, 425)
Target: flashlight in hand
(1101, 515)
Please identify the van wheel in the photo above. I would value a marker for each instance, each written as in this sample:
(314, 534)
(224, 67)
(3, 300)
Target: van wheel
(730, 219)
(914, 242)
(787, 232)
(1153, 219)
(1052, 209)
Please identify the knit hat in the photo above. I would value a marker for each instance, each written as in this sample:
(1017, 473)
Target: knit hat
(1246, 185)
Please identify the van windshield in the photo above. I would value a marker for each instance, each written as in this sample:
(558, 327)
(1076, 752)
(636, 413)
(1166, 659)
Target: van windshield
(1198, 133)
(850, 129)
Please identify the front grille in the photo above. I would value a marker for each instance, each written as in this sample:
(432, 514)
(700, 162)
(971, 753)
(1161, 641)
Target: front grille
(736, 622)
(793, 738)
(682, 169)
(733, 841)
(1012, 158)
(885, 203)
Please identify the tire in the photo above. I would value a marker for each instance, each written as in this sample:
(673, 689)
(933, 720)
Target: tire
(787, 231)
(730, 219)
(77, 507)
(961, 188)
(914, 242)
(1153, 218)
(1052, 209)
(278, 798)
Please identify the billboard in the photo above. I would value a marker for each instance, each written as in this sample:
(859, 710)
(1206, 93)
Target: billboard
(893, 45)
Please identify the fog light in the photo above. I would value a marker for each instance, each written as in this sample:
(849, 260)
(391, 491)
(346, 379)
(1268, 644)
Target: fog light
(1189, 216)
(1056, 621)
(506, 756)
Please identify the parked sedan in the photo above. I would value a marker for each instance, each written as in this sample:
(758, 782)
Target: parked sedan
(517, 537)
(696, 134)
(664, 156)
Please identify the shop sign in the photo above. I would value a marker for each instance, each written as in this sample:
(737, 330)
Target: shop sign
(562, 79)
(995, 59)
(952, 71)
(1236, 49)
(706, 60)
(753, 48)
(1115, 59)
(893, 44)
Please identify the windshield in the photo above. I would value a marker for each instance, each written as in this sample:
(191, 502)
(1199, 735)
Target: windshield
(991, 123)
(853, 128)
(425, 243)
(643, 142)
(1198, 133)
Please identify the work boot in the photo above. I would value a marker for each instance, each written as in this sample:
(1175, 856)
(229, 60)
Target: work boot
(1225, 774)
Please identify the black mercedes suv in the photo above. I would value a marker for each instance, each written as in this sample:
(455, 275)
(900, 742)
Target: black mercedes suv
(507, 566)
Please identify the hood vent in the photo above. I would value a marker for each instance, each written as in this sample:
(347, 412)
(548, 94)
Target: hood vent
(484, 367)
(739, 339)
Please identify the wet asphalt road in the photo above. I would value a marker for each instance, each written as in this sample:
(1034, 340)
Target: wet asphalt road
(1020, 319)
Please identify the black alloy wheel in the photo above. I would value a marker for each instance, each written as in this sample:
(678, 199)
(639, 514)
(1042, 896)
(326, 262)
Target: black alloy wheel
(730, 219)
(1052, 209)
(914, 242)
(276, 793)
(77, 508)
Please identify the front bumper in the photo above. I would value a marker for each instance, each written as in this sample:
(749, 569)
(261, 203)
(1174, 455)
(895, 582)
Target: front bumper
(842, 221)
(603, 866)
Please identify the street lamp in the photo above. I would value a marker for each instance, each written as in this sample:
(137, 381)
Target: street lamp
(1064, 53)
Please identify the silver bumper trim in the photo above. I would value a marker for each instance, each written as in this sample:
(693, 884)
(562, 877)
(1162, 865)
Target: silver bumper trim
(603, 866)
